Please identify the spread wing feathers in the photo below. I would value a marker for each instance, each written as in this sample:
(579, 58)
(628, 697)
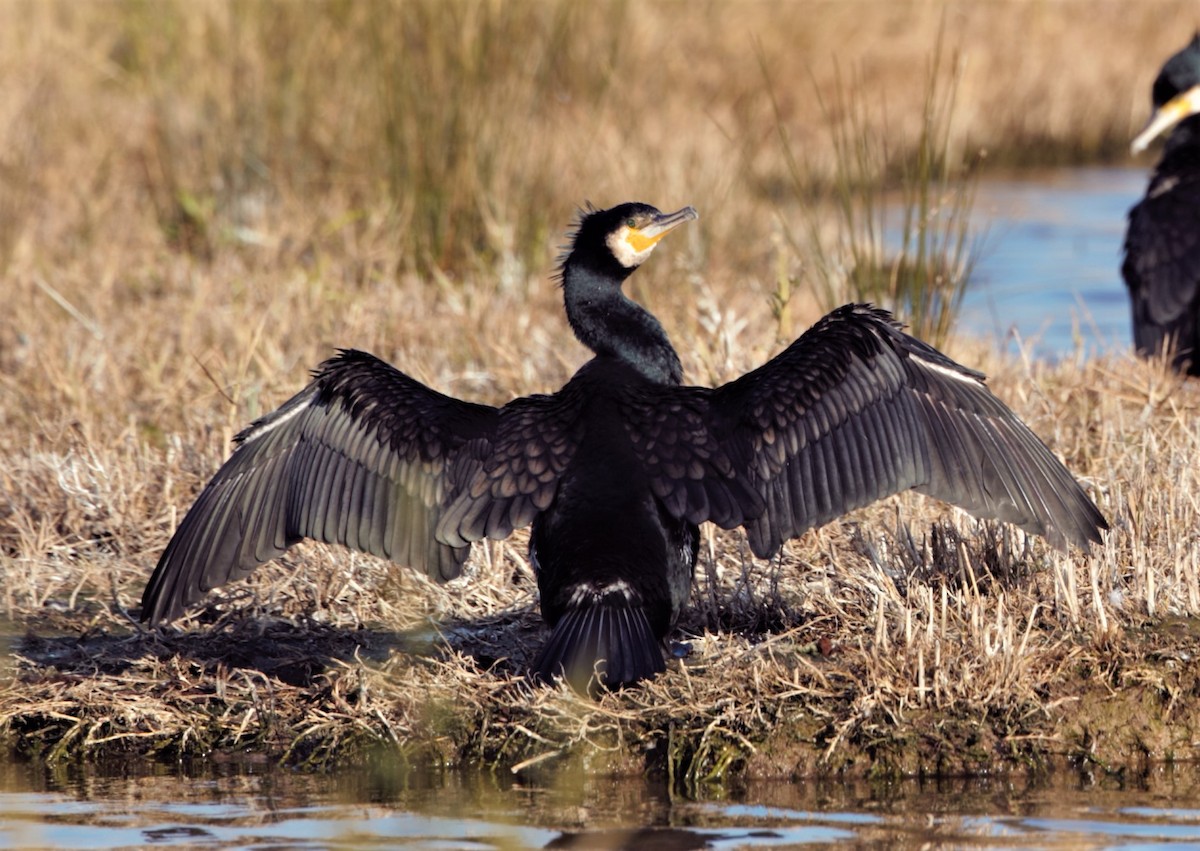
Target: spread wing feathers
(853, 411)
(363, 456)
(513, 475)
(1162, 255)
(690, 460)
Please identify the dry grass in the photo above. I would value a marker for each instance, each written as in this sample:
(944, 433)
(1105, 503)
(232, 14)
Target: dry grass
(185, 229)
(907, 638)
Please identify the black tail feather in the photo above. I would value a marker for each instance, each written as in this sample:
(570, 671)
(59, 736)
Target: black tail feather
(613, 642)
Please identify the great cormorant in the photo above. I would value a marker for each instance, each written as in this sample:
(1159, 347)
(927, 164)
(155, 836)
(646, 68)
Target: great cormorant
(617, 468)
(1162, 245)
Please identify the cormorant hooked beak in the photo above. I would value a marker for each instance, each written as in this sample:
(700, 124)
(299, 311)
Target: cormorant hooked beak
(649, 234)
(1181, 106)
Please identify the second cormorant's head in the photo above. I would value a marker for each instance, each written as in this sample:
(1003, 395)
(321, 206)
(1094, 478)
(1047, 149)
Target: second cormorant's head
(614, 242)
(1176, 94)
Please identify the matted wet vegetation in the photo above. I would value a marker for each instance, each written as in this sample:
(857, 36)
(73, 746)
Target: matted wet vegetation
(176, 276)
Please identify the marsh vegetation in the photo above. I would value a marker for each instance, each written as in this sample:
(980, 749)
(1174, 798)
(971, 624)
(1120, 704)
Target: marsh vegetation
(199, 201)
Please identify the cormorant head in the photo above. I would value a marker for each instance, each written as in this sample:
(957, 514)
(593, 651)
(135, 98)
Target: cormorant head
(616, 241)
(1176, 94)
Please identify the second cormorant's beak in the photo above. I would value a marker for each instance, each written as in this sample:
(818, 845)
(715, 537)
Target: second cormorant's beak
(661, 225)
(1181, 106)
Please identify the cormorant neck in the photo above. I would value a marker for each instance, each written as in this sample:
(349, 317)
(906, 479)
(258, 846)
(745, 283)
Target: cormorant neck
(1185, 135)
(611, 325)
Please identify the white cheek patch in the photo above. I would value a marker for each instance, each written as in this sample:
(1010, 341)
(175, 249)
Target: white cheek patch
(626, 254)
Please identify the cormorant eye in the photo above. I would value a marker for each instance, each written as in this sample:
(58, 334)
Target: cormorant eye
(631, 222)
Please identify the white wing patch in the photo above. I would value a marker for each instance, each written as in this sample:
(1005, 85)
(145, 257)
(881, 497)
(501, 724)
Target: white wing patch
(949, 373)
(267, 427)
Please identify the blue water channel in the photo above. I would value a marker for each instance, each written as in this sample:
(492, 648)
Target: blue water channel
(265, 807)
(1048, 274)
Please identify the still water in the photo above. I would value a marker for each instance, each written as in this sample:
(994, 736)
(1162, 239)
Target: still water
(260, 806)
(1048, 280)
(1048, 277)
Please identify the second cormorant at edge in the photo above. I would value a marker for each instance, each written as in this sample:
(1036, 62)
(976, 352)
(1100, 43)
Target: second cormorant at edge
(617, 468)
(1162, 245)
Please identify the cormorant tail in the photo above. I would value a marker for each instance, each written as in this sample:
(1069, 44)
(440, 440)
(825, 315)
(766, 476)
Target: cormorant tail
(605, 642)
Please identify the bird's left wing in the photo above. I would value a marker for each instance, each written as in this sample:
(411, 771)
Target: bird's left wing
(853, 411)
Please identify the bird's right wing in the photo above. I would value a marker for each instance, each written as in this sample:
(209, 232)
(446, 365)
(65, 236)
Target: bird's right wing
(367, 457)
(1162, 250)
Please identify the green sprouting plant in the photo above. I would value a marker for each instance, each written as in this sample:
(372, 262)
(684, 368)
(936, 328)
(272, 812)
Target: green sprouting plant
(901, 235)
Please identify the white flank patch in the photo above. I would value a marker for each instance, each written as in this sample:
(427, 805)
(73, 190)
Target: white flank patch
(587, 592)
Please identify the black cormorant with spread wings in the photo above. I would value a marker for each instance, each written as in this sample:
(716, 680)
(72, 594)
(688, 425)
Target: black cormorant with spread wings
(1162, 245)
(617, 468)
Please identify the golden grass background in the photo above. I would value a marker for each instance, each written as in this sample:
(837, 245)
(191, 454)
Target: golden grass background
(198, 201)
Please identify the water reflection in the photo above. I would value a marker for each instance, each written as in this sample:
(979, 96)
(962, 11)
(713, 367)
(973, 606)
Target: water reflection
(383, 806)
(1050, 262)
